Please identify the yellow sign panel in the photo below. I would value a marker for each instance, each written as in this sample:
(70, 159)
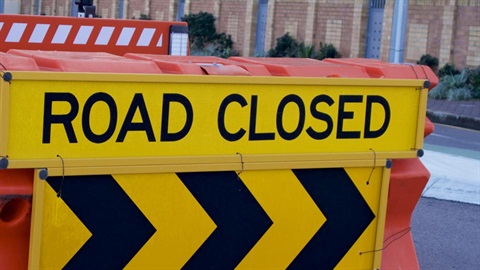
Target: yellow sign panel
(121, 116)
(300, 218)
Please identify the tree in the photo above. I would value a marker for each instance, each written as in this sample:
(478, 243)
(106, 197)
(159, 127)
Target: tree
(203, 36)
(287, 46)
(429, 61)
(327, 51)
(201, 29)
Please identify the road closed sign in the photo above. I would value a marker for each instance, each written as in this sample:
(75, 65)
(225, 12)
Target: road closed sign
(316, 218)
(110, 116)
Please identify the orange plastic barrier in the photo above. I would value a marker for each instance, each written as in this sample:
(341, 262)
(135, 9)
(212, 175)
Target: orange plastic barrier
(201, 65)
(57, 33)
(14, 62)
(429, 127)
(305, 67)
(86, 62)
(377, 69)
(408, 177)
(407, 181)
(16, 187)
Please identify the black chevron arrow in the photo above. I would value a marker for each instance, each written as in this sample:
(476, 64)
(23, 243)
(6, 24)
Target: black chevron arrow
(240, 220)
(119, 229)
(347, 214)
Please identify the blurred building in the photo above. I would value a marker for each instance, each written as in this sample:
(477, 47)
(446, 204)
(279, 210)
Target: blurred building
(446, 29)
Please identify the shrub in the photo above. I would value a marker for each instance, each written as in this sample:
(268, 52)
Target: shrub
(306, 51)
(144, 17)
(457, 80)
(201, 29)
(448, 69)
(204, 39)
(327, 51)
(452, 87)
(224, 46)
(473, 82)
(287, 46)
(462, 93)
(430, 61)
(439, 92)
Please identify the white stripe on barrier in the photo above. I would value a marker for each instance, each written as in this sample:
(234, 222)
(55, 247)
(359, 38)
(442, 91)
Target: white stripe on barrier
(61, 34)
(146, 37)
(125, 36)
(1, 25)
(83, 34)
(16, 32)
(104, 35)
(160, 41)
(39, 33)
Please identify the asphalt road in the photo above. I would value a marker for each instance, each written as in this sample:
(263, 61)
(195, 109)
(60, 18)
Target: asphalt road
(447, 234)
(455, 137)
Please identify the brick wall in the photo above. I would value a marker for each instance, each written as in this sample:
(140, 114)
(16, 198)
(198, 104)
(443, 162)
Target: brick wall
(47, 7)
(107, 9)
(210, 6)
(424, 32)
(164, 10)
(359, 28)
(27, 9)
(135, 9)
(231, 20)
(334, 25)
(466, 43)
(290, 16)
(446, 29)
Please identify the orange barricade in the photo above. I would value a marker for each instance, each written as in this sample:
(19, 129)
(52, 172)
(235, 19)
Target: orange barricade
(14, 62)
(407, 181)
(57, 33)
(429, 127)
(86, 62)
(408, 177)
(201, 65)
(305, 67)
(377, 69)
(16, 187)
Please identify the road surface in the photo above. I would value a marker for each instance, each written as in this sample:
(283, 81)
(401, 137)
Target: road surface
(446, 231)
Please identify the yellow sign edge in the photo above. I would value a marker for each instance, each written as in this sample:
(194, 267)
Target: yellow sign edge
(4, 115)
(100, 170)
(179, 78)
(422, 112)
(233, 160)
(36, 223)
(382, 213)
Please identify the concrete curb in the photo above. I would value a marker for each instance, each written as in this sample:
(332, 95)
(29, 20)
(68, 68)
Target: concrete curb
(453, 119)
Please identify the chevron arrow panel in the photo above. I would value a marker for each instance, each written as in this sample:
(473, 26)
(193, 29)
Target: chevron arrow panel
(296, 219)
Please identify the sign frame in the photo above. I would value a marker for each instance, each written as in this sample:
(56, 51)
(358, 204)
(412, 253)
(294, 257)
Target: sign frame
(62, 165)
(40, 186)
